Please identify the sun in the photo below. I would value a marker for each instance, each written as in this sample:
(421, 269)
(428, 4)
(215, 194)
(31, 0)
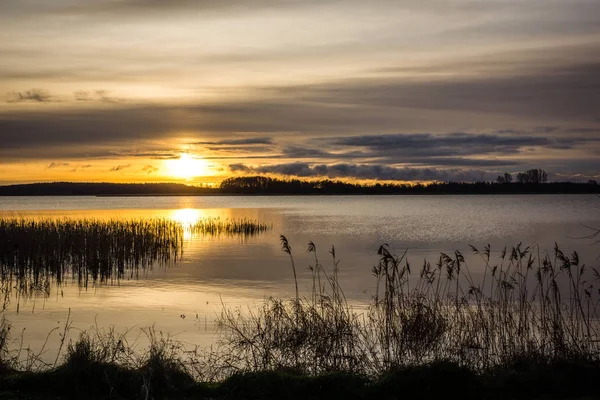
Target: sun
(187, 167)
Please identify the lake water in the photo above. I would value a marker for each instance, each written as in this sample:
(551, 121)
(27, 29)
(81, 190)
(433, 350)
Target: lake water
(239, 272)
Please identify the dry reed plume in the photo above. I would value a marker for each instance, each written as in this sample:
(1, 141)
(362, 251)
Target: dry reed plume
(525, 305)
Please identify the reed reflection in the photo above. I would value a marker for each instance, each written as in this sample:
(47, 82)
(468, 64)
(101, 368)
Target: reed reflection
(38, 252)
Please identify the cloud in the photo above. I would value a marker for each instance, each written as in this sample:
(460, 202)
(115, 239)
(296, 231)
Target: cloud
(560, 91)
(120, 167)
(365, 172)
(462, 162)
(406, 146)
(305, 152)
(512, 118)
(239, 168)
(417, 141)
(80, 167)
(157, 154)
(349, 107)
(149, 169)
(33, 95)
(56, 165)
(389, 154)
(96, 95)
(236, 142)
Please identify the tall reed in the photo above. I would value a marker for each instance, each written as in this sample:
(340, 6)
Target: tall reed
(35, 253)
(524, 305)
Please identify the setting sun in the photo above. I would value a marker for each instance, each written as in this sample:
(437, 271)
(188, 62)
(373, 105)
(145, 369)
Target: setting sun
(186, 167)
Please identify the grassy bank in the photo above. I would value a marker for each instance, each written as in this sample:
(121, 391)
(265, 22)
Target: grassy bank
(527, 326)
(523, 379)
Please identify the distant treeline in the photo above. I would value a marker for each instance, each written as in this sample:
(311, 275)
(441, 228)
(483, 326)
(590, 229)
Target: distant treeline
(265, 185)
(97, 189)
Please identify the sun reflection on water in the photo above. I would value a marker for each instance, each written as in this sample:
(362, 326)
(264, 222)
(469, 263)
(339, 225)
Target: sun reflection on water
(187, 216)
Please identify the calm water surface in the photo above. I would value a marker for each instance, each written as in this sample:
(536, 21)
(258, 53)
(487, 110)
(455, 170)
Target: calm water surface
(231, 271)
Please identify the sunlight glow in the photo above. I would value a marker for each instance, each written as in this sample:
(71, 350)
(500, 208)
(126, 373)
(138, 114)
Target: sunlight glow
(187, 167)
(187, 216)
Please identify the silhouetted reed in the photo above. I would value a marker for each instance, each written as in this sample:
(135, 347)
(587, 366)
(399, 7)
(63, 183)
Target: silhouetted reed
(35, 253)
(230, 227)
(527, 325)
(523, 307)
(527, 306)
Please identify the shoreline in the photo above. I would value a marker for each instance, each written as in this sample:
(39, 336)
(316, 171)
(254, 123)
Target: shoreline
(296, 194)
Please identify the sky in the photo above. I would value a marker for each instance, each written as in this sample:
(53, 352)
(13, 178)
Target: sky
(195, 91)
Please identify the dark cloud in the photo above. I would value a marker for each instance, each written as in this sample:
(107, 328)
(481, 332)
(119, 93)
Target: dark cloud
(349, 107)
(239, 168)
(157, 155)
(236, 142)
(33, 95)
(392, 156)
(80, 167)
(55, 165)
(456, 144)
(565, 91)
(462, 162)
(583, 130)
(365, 172)
(149, 169)
(137, 7)
(305, 152)
(417, 141)
(28, 130)
(128, 8)
(119, 167)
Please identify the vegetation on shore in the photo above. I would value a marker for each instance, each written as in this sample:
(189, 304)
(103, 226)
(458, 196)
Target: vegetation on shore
(526, 327)
(158, 378)
(525, 183)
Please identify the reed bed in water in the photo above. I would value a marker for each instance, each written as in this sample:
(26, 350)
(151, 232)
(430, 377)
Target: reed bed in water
(524, 306)
(33, 252)
(36, 252)
(232, 227)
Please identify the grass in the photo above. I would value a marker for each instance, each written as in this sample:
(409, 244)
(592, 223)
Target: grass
(526, 327)
(36, 253)
(83, 378)
(524, 305)
(229, 227)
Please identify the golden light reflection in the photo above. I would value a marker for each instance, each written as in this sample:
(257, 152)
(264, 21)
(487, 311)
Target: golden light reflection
(187, 167)
(187, 216)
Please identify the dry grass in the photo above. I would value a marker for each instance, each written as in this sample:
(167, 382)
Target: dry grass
(526, 311)
(525, 305)
(528, 325)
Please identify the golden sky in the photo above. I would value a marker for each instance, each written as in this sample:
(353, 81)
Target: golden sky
(195, 91)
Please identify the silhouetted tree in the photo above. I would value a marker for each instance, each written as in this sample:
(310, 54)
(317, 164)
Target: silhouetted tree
(532, 176)
(506, 178)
